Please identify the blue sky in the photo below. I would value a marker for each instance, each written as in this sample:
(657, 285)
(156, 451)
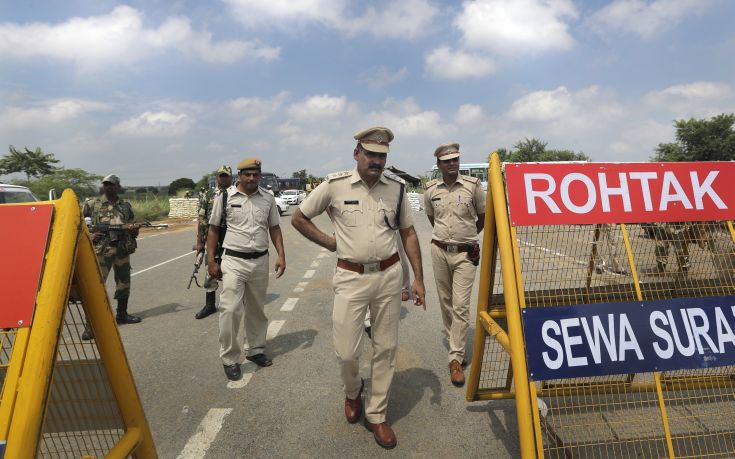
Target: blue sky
(158, 90)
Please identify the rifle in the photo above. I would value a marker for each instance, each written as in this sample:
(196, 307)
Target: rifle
(197, 264)
(106, 228)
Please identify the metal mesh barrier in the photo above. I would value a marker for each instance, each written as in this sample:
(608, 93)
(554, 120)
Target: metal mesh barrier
(7, 338)
(82, 416)
(622, 415)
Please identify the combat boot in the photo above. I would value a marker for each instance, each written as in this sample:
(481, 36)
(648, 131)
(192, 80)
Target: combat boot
(209, 307)
(87, 334)
(122, 316)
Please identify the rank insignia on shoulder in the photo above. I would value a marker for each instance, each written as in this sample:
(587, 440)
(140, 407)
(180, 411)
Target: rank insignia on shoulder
(337, 175)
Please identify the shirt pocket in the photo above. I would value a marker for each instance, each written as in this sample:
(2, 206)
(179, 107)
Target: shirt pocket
(236, 214)
(349, 214)
(385, 216)
(260, 213)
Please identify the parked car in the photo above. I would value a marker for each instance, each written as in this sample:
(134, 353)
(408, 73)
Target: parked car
(282, 205)
(302, 195)
(10, 194)
(292, 197)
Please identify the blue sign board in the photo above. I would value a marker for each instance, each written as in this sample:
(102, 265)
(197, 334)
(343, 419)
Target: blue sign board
(631, 337)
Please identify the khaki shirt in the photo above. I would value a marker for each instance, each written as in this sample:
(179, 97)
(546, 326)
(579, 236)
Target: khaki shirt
(455, 209)
(248, 219)
(358, 214)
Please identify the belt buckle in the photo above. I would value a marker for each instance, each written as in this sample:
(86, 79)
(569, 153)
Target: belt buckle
(452, 248)
(371, 267)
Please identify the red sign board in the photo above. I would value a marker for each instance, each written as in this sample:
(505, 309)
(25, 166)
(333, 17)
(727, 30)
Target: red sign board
(24, 232)
(586, 193)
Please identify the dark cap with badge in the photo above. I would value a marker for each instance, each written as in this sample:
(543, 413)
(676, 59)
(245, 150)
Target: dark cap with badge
(249, 163)
(112, 178)
(375, 139)
(224, 170)
(447, 151)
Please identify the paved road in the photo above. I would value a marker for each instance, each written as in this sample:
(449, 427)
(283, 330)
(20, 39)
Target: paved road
(295, 407)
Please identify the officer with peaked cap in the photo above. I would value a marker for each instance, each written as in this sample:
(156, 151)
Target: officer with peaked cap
(251, 215)
(113, 249)
(206, 201)
(455, 205)
(367, 206)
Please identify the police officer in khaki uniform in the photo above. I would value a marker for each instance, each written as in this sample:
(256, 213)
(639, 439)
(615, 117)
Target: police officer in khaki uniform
(251, 215)
(455, 205)
(366, 206)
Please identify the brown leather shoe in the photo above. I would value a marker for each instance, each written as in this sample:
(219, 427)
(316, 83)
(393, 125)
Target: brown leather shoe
(456, 374)
(383, 434)
(353, 407)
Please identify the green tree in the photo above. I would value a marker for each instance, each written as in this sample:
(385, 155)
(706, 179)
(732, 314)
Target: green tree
(700, 140)
(32, 163)
(534, 150)
(202, 183)
(83, 183)
(181, 184)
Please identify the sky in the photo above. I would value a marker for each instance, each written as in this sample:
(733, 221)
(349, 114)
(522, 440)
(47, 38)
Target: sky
(162, 89)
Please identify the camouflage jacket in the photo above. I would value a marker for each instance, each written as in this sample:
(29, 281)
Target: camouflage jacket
(101, 211)
(206, 201)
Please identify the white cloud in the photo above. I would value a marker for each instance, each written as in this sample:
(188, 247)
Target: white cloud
(154, 124)
(404, 19)
(120, 38)
(519, 26)
(542, 105)
(469, 114)
(447, 64)
(645, 19)
(49, 112)
(319, 107)
(697, 99)
(380, 77)
(254, 111)
(409, 120)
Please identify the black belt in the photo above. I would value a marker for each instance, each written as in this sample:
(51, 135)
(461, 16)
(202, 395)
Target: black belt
(245, 255)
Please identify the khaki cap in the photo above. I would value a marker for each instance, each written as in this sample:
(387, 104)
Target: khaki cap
(224, 170)
(112, 178)
(249, 163)
(447, 151)
(375, 139)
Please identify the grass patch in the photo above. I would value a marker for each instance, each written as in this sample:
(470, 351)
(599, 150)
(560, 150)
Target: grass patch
(150, 209)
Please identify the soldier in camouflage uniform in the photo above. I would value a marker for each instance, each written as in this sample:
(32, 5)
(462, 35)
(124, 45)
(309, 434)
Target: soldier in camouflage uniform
(206, 200)
(671, 233)
(113, 248)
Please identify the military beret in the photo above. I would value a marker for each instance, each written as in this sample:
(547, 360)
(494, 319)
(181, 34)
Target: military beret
(249, 163)
(112, 178)
(447, 151)
(224, 170)
(375, 139)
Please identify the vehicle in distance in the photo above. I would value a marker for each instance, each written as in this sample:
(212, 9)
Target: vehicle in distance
(292, 197)
(282, 205)
(11, 194)
(478, 170)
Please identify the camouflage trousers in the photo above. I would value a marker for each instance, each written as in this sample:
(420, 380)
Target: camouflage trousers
(109, 259)
(667, 236)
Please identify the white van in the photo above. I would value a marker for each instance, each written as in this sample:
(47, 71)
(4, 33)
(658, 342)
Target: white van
(12, 194)
(478, 170)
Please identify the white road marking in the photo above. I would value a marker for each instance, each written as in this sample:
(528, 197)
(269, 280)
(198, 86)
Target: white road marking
(199, 443)
(273, 328)
(161, 264)
(309, 274)
(544, 249)
(314, 264)
(289, 304)
(300, 286)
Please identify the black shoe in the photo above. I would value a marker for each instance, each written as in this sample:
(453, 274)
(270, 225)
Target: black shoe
(260, 359)
(127, 319)
(87, 334)
(369, 331)
(233, 372)
(206, 311)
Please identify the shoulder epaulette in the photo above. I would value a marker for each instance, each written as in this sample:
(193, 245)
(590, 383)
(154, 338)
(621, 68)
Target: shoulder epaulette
(338, 175)
(470, 179)
(431, 183)
(390, 175)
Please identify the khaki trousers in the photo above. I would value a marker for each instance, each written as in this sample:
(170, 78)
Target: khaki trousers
(244, 284)
(354, 295)
(454, 274)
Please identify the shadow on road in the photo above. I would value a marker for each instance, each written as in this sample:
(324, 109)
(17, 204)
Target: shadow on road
(160, 310)
(503, 423)
(283, 344)
(408, 389)
(271, 297)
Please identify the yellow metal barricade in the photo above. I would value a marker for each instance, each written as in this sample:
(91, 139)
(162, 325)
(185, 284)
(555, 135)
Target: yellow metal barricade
(683, 413)
(62, 396)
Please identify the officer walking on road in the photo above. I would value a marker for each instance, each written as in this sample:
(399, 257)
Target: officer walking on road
(251, 216)
(206, 201)
(113, 248)
(455, 205)
(367, 207)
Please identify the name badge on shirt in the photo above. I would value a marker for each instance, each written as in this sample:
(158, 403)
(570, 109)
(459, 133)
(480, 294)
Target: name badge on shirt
(436, 199)
(352, 203)
(235, 205)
